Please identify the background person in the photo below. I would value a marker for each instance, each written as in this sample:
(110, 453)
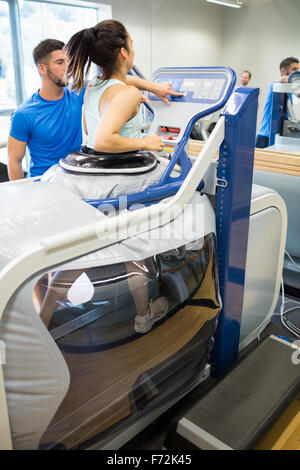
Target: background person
(287, 66)
(245, 78)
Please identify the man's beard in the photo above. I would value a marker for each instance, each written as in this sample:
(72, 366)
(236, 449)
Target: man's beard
(58, 82)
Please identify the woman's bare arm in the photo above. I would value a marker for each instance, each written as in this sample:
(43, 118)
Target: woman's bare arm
(116, 112)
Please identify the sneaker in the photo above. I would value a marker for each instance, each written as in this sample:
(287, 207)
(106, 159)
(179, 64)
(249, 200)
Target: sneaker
(144, 323)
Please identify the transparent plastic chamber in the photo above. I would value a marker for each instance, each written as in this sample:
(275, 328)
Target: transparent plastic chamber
(133, 336)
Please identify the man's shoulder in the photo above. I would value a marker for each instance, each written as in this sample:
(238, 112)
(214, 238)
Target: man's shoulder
(30, 103)
(75, 95)
(75, 92)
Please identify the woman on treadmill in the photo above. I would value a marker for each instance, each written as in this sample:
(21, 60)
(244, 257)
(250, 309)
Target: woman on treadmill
(112, 114)
(112, 120)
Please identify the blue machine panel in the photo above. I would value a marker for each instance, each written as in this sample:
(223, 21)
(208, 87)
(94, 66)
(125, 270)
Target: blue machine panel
(236, 159)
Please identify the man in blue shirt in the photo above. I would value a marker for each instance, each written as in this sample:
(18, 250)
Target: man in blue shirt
(49, 123)
(287, 66)
(45, 123)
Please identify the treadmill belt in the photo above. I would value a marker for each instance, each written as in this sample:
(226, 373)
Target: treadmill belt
(241, 407)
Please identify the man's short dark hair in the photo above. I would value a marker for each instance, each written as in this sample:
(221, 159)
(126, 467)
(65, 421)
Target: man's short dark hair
(285, 63)
(247, 71)
(42, 51)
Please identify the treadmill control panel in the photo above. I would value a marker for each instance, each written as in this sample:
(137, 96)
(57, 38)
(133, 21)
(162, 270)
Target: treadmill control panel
(203, 90)
(195, 87)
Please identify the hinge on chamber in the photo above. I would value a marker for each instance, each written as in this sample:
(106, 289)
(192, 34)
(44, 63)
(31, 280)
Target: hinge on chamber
(211, 181)
(222, 182)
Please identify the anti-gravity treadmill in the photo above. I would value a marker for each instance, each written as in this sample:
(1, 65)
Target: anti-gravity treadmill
(77, 373)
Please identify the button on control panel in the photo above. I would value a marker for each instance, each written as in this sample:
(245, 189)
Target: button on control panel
(168, 133)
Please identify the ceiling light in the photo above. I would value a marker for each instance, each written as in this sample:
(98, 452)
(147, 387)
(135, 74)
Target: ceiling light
(227, 3)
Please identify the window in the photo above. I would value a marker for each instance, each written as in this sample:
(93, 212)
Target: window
(52, 20)
(7, 79)
(38, 20)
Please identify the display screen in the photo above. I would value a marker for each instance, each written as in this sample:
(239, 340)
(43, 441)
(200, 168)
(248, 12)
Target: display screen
(197, 85)
(203, 88)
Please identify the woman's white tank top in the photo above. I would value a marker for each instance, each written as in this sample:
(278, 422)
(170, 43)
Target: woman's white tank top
(95, 90)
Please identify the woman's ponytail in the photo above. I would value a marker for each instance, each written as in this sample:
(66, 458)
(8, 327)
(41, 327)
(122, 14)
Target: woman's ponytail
(80, 49)
(100, 45)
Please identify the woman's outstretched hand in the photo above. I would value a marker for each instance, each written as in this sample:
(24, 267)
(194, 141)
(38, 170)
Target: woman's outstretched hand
(153, 142)
(162, 89)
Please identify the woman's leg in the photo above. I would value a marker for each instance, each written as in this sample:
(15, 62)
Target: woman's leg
(137, 281)
(147, 312)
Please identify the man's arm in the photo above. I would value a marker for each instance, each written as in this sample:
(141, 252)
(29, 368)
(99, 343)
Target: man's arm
(284, 79)
(160, 89)
(16, 151)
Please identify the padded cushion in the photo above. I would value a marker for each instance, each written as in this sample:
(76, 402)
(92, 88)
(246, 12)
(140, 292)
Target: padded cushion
(87, 160)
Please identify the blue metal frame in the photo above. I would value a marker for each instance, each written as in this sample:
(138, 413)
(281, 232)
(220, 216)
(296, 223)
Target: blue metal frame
(278, 114)
(236, 159)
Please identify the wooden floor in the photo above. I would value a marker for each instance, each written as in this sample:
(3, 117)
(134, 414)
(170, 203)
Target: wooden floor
(285, 432)
(99, 393)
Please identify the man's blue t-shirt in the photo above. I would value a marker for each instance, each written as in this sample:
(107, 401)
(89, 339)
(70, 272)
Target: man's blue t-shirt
(52, 129)
(265, 128)
(266, 120)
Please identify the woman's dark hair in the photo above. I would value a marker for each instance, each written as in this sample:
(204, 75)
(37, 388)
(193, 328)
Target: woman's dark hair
(100, 45)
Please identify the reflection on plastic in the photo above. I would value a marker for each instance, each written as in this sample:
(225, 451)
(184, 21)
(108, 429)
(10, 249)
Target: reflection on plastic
(118, 372)
(81, 291)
